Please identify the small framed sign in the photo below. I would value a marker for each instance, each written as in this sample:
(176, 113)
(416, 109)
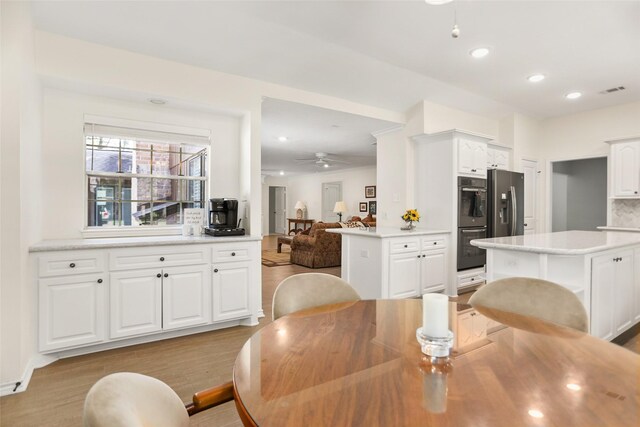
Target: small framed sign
(372, 207)
(363, 206)
(194, 217)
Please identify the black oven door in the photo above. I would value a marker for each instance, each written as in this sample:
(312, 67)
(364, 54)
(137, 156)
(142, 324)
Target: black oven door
(472, 207)
(470, 256)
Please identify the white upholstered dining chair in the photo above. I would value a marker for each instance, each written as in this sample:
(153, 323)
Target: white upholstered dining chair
(127, 399)
(506, 299)
(308, 290)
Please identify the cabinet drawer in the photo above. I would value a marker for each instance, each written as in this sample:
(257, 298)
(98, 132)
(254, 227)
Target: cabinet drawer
(468, 280)
(434, 243)
(152, 257)
(398, 246)
(231, 252)
(71, 263)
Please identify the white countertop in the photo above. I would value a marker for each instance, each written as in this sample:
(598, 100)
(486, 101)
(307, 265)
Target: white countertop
(383, 232)
(613, 228)
(562, 243)
(126, 242)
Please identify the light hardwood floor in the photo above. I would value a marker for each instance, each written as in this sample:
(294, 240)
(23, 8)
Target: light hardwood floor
(56, 393)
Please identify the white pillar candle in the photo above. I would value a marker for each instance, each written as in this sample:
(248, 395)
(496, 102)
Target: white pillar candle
(435, 315)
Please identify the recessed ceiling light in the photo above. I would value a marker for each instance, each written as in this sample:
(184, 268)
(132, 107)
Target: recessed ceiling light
(326, 165)
(437, 2)
(157, 101)
(282, 138)
(479, 52)
(281, 172)
(574, 387)
(535, 78)
(573, 95)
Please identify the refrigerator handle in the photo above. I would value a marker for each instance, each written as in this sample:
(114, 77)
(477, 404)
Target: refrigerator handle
(514, 211)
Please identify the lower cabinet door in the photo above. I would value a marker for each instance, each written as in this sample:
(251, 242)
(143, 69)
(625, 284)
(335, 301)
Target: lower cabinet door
(623, 291)
(636, 285)
(135, 302)
(432, 275)
(71, 311)
(404, 274)
(186, 295)
(602, 297)
(231, 282)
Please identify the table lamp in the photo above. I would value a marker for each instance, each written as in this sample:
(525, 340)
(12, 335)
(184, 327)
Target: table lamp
(299, 207)
(340, 208)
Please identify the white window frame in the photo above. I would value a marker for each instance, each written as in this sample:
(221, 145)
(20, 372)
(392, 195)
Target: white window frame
(164, 133)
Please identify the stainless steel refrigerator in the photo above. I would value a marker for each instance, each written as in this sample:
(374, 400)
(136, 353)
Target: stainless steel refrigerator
(505, 203)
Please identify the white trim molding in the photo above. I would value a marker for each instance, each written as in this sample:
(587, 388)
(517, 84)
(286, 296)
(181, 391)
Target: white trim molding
(37, 361)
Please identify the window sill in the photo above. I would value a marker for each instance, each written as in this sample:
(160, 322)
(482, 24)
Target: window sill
(103, 232)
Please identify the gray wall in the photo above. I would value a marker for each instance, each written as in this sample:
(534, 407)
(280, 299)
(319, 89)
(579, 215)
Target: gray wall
(579, 194)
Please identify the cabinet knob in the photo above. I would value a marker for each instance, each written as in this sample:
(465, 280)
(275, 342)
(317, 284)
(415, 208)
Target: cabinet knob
(406, 246)
(525, 224)
(473, 278)
(158, 275)
(72, 265)
(215, 270)
(635, 192)
(418, 256)
(99, 280)
(166, 274)
(233, 254)
(424, 256)
(435, 243)
(161, 258)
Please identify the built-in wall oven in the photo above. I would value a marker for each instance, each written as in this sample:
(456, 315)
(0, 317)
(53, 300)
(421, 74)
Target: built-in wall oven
(472, 221)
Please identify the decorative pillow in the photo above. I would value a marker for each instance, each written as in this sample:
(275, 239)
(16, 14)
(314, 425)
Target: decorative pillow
(352, 224)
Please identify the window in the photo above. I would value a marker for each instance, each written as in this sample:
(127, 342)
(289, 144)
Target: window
(142, 178)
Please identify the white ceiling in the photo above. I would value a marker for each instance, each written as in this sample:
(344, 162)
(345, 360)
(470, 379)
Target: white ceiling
(308, 130)
(389, 54)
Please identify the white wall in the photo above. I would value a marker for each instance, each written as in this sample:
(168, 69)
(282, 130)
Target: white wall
(20, 179)
(308, 189)
(63, 144)
(583, 135)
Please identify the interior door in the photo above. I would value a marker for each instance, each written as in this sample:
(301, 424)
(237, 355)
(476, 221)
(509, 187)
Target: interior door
(280, 210)
(530, 170)
(331, 193)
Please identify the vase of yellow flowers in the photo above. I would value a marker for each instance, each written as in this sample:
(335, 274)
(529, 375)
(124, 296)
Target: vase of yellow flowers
(409, 216)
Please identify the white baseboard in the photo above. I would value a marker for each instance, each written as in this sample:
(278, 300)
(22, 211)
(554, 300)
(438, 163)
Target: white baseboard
(37, 361)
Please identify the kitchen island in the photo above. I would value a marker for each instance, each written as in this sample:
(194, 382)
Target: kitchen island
(602, 268)
(387, 262)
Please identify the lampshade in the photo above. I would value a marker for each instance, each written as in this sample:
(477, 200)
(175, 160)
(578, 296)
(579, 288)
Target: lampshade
(299, 205)
(340, 207)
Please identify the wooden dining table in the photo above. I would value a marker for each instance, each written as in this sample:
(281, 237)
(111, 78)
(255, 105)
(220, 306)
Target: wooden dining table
(359, 364)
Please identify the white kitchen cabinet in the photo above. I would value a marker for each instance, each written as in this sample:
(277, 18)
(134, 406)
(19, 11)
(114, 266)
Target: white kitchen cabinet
(420, 267)
(145, 290)
(612, 294)
(497, 158)
(472, 158)
(135, 302)
(636, 285)
(72, 310)
(625, 169)
(404, 275)
(231, 286)
(186, 296)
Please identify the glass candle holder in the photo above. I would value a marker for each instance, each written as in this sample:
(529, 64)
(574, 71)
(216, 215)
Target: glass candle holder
(435, 346)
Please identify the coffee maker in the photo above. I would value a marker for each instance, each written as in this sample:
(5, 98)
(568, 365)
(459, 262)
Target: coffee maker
(223, 218)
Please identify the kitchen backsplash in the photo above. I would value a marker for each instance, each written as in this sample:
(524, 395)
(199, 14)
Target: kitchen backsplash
(625, 213)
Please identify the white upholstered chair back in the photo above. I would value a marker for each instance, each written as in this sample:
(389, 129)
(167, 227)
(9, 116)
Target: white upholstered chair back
(127, 399)
(309, 290)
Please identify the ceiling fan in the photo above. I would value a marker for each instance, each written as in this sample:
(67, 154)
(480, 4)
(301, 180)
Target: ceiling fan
(323, 160)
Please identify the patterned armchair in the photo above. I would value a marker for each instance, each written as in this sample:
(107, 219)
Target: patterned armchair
(318, 248)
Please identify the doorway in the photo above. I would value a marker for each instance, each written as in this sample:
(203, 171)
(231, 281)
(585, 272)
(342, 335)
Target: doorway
(579, 194)
(331, 193)
(277, 210)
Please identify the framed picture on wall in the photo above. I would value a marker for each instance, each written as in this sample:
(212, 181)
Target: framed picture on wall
(370, 192)
(363, 206)
(372, 207)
